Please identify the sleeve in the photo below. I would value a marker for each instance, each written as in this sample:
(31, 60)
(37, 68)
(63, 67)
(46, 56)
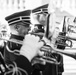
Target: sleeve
(23, 63)
(17, 66)
(21, 66)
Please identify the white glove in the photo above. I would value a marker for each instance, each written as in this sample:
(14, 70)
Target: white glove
(31, 47)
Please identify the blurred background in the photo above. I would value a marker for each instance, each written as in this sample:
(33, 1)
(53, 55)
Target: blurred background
(9, 6)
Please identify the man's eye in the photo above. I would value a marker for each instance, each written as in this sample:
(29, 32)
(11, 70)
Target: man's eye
(16, 26)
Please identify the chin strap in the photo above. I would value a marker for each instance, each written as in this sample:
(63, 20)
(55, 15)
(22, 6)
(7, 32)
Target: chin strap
(17, 37)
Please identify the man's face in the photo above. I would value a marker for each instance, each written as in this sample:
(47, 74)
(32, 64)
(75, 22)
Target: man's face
(42, 18)
(18, 29)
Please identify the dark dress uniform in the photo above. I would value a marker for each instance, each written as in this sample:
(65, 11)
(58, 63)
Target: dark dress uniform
(48, 69)
(17, 64)
(22, 63)
(19, 18)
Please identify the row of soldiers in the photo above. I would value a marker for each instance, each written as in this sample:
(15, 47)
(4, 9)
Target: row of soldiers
(20, 24)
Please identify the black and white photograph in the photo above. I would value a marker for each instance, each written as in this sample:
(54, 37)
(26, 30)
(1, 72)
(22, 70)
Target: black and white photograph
(37, 37)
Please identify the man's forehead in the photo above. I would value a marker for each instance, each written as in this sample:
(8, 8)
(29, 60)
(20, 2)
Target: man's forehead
(16, 25)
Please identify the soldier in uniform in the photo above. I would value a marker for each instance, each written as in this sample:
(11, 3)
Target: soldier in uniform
(19, 26)
(19, 48)
(51, 69)
(42, 17)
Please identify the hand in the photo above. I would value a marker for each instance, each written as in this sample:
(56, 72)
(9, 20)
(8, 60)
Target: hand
(40, 60)
(31, 47)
